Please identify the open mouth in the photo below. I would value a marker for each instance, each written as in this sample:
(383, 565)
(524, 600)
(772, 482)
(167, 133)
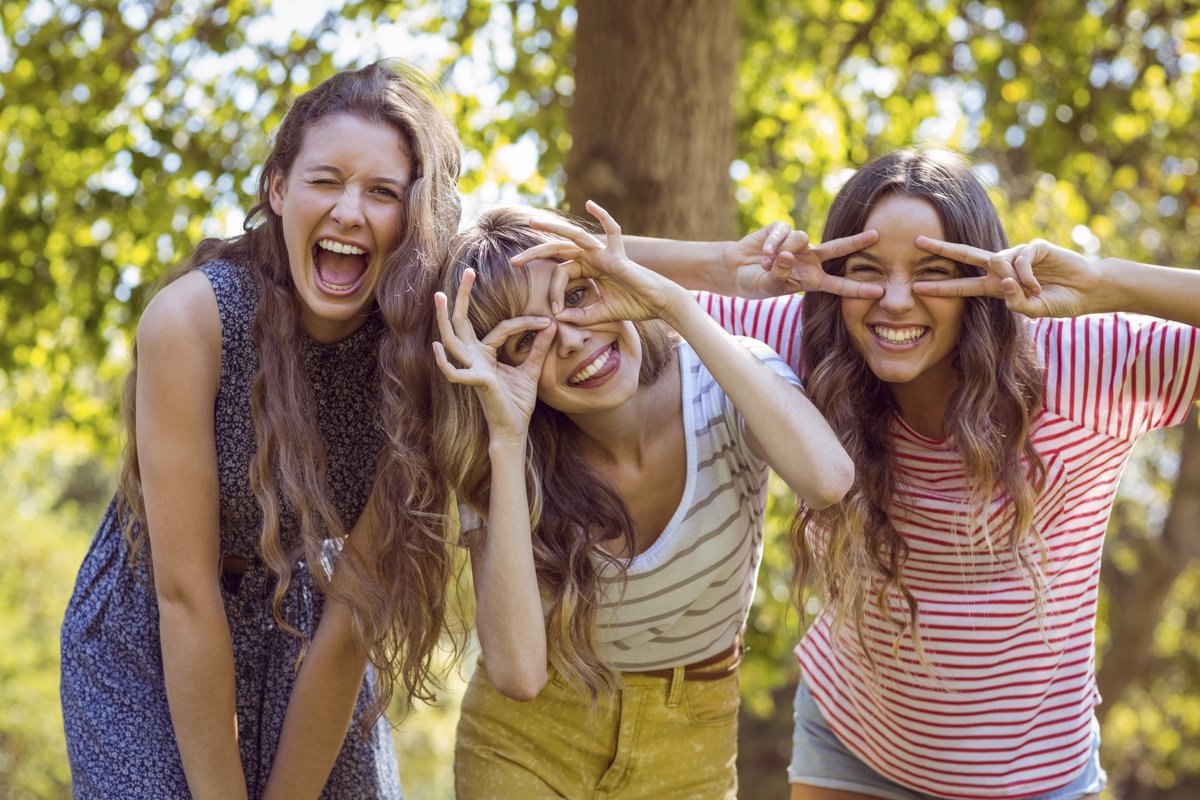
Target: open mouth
(600, 367)
(341, 267)
(899, 336)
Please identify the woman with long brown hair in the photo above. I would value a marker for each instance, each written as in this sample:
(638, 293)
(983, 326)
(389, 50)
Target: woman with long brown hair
(612, 484)
(274, 529)
(954, 656)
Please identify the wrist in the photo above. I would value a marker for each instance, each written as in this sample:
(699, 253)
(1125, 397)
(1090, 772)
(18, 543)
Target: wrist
(508, 447)
(1117, 286)
(680, 311)
(720, 277)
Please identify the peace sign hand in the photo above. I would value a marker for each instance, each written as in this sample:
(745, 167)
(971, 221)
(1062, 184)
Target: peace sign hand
(777, 260)
(1038, 279)
(508, 393)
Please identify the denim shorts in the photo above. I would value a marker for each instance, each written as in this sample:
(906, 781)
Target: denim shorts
(820, 759)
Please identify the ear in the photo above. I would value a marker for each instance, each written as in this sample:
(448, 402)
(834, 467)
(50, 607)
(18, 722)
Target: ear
(278, 188)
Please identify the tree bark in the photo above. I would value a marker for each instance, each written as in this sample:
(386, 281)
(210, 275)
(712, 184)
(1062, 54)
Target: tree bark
(652, 116)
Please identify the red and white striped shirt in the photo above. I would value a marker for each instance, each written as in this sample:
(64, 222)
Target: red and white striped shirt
(1003, 705)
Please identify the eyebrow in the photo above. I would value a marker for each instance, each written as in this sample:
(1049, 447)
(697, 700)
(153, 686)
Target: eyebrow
(920, 262)
(339, 173)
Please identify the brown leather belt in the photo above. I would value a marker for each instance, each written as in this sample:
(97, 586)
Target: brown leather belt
(699, 671)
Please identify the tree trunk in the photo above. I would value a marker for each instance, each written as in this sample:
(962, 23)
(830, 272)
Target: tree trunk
(652, 116)
(1136, 601)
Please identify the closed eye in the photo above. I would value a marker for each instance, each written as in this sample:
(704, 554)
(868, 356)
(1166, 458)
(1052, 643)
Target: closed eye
(938, 272)
(863, 271)
(387, 192)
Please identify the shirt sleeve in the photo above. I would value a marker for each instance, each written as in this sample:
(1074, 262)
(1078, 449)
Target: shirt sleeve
(774, 321)
(1119, 374)
(780, 367)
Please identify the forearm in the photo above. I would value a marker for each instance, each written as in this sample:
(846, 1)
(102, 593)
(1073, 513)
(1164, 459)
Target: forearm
(509, 617)
(320, 709)
(1164, 292)
(698, 266)
(785, 428)
(198, 667)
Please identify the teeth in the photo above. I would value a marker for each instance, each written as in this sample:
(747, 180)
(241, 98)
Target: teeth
(899, 335)
(339, 247)
(592, 368)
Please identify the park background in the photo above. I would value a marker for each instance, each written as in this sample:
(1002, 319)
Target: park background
(130, 129)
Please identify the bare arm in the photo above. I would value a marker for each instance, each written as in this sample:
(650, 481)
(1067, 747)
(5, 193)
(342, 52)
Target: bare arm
(509, 617)
(179, 366)
(768, 262)
(784, 428)
(321, 707)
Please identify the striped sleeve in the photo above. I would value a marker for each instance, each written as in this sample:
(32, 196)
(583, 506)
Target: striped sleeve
(1119, 374)
(774, 321)
(780, 367)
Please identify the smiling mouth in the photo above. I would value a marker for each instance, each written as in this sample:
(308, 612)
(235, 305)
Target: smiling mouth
(341, 267)
(605, 358)
(906, 335)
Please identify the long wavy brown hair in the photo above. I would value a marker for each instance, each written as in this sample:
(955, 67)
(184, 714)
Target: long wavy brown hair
(398, 599)
(573, 509)
(862, 555)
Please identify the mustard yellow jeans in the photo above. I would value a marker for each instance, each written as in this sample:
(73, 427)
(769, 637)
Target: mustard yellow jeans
(656, 739)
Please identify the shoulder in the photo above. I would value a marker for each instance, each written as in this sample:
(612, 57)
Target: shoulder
(183, 316)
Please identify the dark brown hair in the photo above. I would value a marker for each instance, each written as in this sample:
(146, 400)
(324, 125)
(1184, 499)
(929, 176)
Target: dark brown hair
(398, 600)
(988, 414)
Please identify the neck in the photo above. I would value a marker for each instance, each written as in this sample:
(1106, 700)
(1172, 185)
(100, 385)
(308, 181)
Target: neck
(923, 404)
(622, 435)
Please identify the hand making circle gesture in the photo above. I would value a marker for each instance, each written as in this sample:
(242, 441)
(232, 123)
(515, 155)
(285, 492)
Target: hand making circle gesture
(627, 290)
(507, 392)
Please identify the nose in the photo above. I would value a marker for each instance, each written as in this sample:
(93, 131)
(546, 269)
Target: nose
(897, 295)
(570, 339)
(348, 212)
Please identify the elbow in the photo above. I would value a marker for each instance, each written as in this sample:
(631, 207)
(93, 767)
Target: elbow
(523, 686)
(835, 482)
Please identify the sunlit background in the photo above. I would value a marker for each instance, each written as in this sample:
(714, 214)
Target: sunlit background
(129, 130)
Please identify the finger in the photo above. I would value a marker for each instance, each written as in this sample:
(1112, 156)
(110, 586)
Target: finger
(562, 276)
(962, 253)
(462, 305)
(557, 249)
(1026, 257)
(612, 230)
(844, 287)
(572, 233)
(538, 350)
(777, 233)
(586, 315)
(782, 266)
(1014, 295)
(957, 287)
(447, 369)
(498, 335)
(450, 340)
(836, 248)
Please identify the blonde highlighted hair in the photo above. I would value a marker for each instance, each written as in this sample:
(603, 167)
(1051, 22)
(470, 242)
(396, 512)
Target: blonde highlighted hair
(988, 417)
(573, 510)
(398, 600)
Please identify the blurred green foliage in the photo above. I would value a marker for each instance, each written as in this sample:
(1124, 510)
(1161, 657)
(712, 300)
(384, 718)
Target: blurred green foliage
(130, 129)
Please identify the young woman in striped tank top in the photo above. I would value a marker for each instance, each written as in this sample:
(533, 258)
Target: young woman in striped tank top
(954, 657)
(611, 482)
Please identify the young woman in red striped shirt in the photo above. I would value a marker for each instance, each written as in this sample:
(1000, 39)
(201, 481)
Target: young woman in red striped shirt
(990, 397)
(955, 656)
